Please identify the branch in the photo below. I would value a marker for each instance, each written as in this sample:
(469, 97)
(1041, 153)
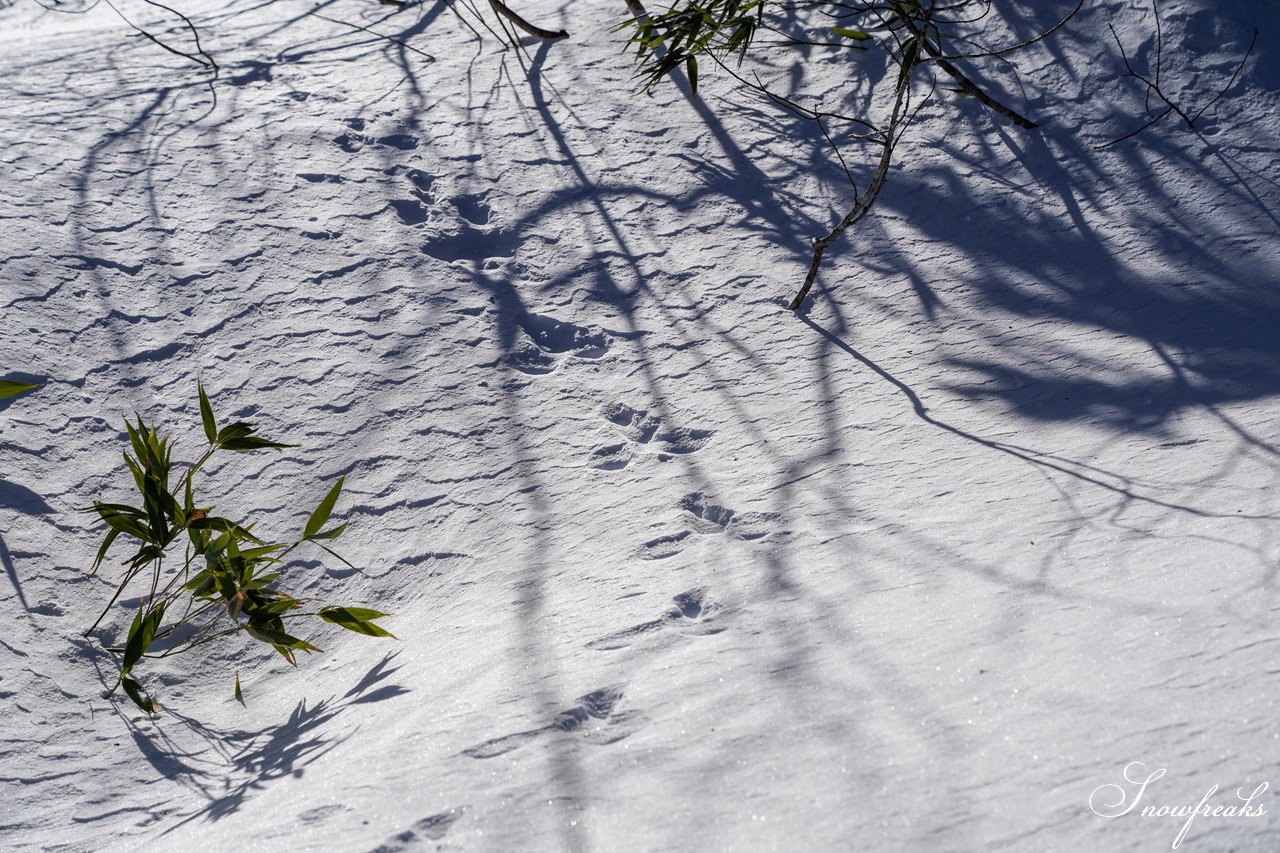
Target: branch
(429, 57)
(1154, 86)
(1044, 35)
(1230, 82)
(863, 204)
(965, 83)
(207, 60)
(537, 32)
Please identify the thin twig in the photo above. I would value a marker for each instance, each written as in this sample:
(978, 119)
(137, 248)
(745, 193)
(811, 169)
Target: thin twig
(207, 61)
(982, 97)
(1041, 37)
(533, 30)
(862, 206)
(1133, 133)
(1154, 86)
(465, 22)
(429, 57)
(1232, 81)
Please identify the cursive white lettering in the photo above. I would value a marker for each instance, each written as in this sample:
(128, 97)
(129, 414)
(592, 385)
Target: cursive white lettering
(1110, 808)
(1115, 800)
(1201, 806)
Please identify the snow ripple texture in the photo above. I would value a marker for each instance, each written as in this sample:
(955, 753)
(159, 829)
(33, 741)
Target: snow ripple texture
(917, 569)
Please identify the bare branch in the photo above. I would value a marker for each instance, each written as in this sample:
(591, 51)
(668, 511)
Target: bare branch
(862, 206)
(535, 31)
(965, 83)
(199, 57)
(429, 57)
(1153, 87)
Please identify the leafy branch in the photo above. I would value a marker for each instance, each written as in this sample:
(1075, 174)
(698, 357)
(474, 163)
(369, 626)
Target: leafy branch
(913, 33)
(224, 573)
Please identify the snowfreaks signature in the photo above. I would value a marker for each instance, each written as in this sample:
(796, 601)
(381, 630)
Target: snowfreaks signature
(1117, 800)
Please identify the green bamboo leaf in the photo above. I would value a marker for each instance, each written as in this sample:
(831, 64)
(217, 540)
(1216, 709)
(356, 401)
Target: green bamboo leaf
(240, 436)
(322, 512)
(203, 578)
(358, 619)
(150, 450)
(124, 519)
(691, 65)
(856, 35)
(106, 546)
(138, 477)
(239, 695)
(334, 553)
(135, 440)
(136, 625)
(239, 429)
(226, 587)
(230, 528)
(253, 443)
(275, 607)
(104, 509)
(332, 533)
(259, 554)
(159, 505)
(279, 638)
(140, 636)
(146, 554)
(362, 614)
(139, 696)
(206, 415)
(13, 389)
(261, 581)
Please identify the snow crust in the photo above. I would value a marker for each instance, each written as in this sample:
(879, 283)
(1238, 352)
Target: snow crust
(920, 568)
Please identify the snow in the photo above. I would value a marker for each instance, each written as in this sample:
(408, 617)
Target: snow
(921, 567)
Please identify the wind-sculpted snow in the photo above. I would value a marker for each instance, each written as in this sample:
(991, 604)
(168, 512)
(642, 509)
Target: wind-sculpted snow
(672, 569)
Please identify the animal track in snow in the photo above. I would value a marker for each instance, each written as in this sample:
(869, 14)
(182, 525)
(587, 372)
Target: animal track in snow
(473, 244)
(432, 828)
(410, 211)
(353, 142)
(541, 338)
(473, 209)
(641, 430)
(664, 546)
(594, 718)
(694, 613)
(320, 814)
(706, 517)
(421, 181)
(703, 517)
(403, 141)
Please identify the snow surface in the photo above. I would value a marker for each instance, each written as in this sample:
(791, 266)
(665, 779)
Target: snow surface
(673, 569)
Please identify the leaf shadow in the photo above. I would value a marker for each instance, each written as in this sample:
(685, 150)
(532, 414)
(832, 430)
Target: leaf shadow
(227, 767)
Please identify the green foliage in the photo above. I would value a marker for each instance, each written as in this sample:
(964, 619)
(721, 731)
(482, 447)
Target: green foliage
(13, 389)
(674, 38)
(912, 35)
(856, 35)
(220, 579)
(727, 29)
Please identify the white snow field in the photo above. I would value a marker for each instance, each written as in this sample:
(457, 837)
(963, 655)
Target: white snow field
(926, 566)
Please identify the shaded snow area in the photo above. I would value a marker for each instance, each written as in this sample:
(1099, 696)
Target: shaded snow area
(926, 566)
